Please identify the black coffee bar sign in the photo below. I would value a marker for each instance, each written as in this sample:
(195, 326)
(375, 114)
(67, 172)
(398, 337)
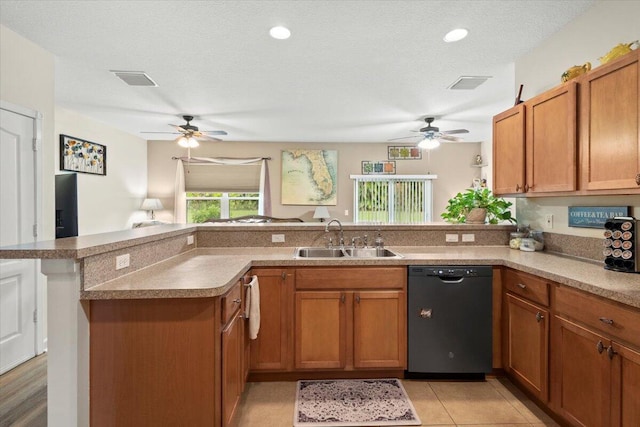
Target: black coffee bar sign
(594, 216)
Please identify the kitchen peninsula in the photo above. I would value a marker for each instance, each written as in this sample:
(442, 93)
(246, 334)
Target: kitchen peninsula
(165, 267)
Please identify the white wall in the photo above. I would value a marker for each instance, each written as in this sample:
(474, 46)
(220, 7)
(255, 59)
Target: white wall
(586, 38)
(451, 162)
(111, 202)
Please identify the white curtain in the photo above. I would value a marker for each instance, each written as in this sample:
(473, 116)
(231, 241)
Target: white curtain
(180, 201)
(180, 208)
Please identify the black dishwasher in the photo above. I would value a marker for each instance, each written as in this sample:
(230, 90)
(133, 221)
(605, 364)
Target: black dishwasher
(449, 323)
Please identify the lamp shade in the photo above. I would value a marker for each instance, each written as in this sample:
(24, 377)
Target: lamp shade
(429, 143)
(151, 205)
(321, 213)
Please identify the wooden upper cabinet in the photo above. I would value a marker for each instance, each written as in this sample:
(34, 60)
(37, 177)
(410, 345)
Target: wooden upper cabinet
(610, 126)
(551, 154)
(509, 151)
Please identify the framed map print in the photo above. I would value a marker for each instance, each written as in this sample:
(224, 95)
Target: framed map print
(309, 177)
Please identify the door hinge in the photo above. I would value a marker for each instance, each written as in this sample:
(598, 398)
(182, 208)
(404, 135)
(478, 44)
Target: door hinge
(35, 230)
(35, 316)
(34, 144)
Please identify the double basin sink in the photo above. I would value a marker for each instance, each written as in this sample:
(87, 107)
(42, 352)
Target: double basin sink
(346, 252)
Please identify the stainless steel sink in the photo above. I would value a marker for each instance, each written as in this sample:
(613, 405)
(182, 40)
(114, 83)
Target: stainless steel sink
(320, 253)
(349, 252)
(370, 253)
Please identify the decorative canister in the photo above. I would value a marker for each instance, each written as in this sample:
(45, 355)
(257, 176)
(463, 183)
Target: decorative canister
(575, 71)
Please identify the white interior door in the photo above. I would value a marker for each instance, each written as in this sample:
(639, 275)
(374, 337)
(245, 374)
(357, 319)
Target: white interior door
(18, 204)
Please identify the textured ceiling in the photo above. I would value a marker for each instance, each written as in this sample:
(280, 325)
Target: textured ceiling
(352, 71)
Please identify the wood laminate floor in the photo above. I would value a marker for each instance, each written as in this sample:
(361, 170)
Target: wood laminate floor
(23, 394)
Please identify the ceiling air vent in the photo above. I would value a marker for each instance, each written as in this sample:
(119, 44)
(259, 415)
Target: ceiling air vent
(468, 82)
(135, 78)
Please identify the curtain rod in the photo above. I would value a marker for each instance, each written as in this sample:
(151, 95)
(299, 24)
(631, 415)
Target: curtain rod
(234, 158)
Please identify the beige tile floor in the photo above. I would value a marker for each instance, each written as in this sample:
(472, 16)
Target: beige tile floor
(495, 402)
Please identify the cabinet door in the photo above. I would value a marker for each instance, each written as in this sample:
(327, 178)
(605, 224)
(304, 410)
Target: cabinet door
(551, 140)
(379, 329)
(625, 393)
(509, 151)
(610, 126)
(320, 332)
(272, 349)
(526, 345)
(232, 351)
(581, 375)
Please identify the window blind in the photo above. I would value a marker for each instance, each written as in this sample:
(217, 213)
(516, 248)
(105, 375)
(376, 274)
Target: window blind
(222, 178)
(398, 199)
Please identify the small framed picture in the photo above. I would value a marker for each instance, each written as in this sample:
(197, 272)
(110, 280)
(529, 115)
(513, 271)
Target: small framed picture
(78, 155)
(382, 167)
(404, 152)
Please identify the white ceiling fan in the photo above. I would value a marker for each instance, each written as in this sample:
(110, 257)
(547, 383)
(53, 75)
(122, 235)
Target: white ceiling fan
(431, 136)
(190, 134)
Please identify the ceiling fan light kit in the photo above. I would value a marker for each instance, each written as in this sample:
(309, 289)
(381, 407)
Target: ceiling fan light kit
(429, 144)
(187, 142)
(189, 134)
(456, 35)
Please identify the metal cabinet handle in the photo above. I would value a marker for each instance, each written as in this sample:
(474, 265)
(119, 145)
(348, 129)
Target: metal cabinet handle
(638, 179)
(600, 347)
(343, 298)
(358, 299)
(606, 320)
(517, 187)
(284, 275)
(611, 352)
(522, 285)
(425, 314)
(527, 187)
(237, 301)
(539, 317)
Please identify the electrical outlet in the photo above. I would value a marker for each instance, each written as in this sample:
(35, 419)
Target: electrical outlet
(122, 261)
(468, 237)
(277, 238)
(548, 221)
(346, 212)
(190, 240)
(451, 238)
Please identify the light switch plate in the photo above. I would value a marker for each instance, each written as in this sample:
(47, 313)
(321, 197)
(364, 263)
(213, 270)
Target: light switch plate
(189, 240)
(451, 238)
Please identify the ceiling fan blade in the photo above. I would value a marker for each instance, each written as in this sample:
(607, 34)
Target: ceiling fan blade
(447, 138)
(454, 131)
(170, 133)
(209, 138)
(214, 132)
(404, 137)
(179, 128)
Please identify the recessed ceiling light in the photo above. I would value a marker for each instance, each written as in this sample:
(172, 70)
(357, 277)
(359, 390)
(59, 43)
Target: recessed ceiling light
(456, 35)
(280, 33)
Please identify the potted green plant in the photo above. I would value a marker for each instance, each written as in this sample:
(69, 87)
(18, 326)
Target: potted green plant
(477, 206)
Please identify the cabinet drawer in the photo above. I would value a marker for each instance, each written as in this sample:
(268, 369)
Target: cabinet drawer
(530, 287)
(617, 320)
(351, 278)
(231, 303)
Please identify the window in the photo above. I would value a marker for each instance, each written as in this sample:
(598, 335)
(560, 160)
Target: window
(203, 206)
(400, 199)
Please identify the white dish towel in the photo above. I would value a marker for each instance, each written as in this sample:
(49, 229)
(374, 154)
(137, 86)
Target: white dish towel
(252, 307)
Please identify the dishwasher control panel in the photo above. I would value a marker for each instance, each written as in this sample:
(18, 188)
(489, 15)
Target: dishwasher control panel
(450, 271)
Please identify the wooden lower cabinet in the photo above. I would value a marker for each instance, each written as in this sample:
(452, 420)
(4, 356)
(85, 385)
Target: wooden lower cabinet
(320, 330)
(232, 368)
(581, 375)
(625, 394)
(379, 329)
(526, 335)
(272, 350)
(350, 329)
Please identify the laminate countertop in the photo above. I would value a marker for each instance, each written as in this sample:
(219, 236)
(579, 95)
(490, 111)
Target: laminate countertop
(210, 272)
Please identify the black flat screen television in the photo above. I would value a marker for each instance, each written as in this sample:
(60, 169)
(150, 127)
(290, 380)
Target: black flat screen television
(66, 205)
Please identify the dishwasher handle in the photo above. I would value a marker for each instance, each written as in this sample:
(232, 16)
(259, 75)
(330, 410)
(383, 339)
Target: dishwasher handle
(451, 279)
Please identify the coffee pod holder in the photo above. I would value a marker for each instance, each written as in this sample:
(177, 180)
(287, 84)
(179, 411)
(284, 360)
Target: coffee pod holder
(621, 237)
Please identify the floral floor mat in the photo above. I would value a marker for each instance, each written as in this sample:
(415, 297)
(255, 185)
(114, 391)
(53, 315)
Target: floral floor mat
(336, 403)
